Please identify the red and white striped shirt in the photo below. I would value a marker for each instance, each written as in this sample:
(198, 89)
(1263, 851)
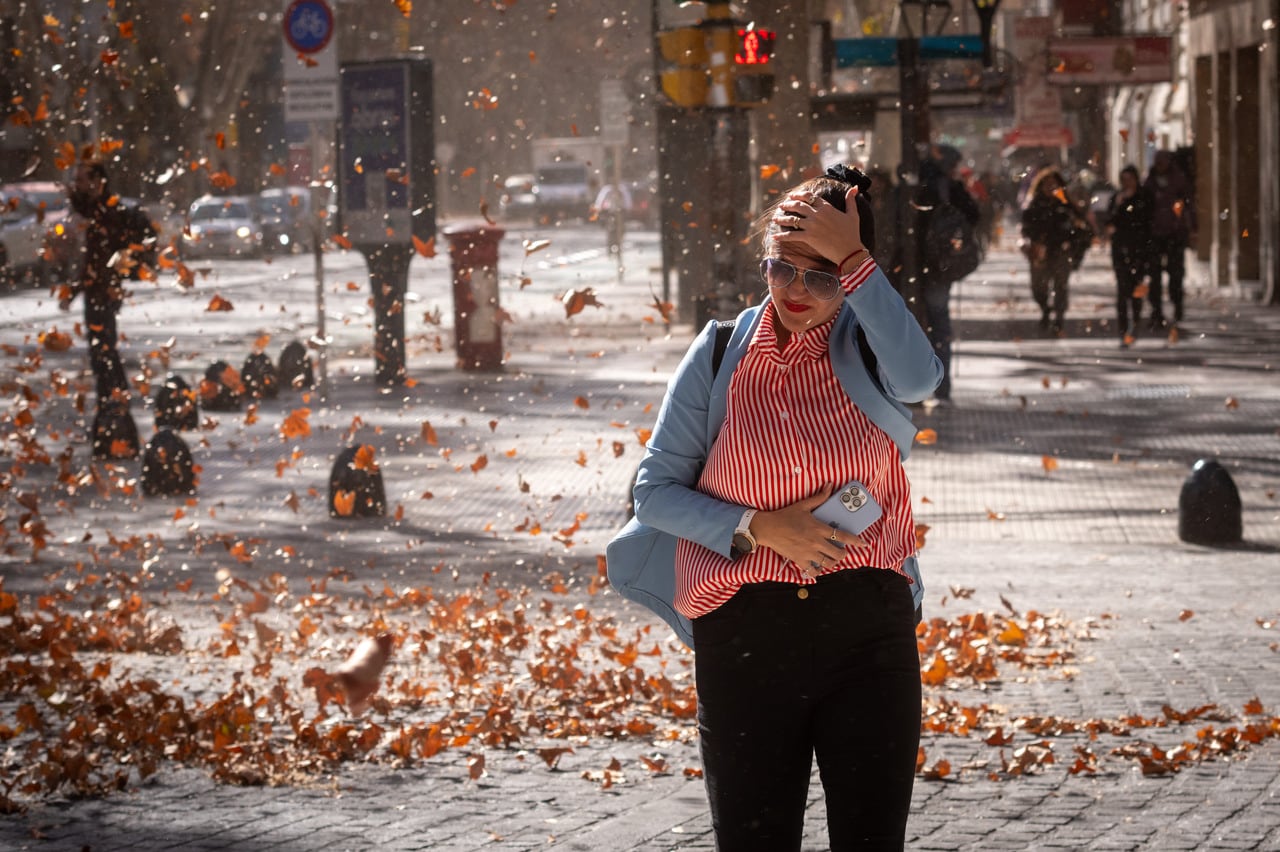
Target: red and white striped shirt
(791, 431)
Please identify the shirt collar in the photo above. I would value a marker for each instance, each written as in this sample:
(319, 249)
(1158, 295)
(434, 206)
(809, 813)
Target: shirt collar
(807, 345)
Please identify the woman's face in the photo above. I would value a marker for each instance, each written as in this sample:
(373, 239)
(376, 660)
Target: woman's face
(797, 308)
(1128, 181)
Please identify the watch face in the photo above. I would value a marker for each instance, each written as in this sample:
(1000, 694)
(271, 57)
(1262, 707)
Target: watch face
(743, 544)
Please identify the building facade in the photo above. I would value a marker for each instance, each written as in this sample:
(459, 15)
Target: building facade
(1234, 78)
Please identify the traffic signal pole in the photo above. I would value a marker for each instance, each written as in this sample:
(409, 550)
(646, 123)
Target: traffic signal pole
(705, 173)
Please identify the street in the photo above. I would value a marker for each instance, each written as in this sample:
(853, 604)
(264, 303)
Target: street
(1049, 495)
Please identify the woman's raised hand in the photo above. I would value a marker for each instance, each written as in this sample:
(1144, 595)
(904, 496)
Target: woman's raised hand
(823, 228)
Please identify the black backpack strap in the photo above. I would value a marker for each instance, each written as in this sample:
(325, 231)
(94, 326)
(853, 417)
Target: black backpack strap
(724, 331)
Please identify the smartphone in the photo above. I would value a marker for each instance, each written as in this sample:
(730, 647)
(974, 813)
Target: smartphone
(851, 509)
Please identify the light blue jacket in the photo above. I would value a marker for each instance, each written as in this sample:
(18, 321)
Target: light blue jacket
(667, 503)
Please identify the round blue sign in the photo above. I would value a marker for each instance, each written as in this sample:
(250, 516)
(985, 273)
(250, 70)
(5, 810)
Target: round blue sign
(308, 25)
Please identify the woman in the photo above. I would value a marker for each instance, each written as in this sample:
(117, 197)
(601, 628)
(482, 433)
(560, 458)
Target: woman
(803, 635)
(1050, 223)
(1129, 226)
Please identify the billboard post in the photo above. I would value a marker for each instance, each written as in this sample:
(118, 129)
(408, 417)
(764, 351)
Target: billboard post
(387, 188)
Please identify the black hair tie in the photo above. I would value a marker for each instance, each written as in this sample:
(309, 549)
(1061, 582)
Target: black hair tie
(849, 175)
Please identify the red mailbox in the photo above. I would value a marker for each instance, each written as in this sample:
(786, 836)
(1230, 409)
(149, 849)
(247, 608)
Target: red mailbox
(473, 250)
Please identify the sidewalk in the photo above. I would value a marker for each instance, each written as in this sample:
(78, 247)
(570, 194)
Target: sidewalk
(1050, 496)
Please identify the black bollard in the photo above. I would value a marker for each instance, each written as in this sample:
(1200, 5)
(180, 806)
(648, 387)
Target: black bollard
(175, 405)
(1209, 506)
(355, 485)
(115, 435)
(295, 367)
(167, 466)
(259, 376)
(221, 389)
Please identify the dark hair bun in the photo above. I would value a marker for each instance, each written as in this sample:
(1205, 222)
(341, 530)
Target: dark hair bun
(849, 175)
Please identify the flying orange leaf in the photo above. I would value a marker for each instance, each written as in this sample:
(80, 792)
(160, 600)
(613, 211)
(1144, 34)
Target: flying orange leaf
(344, 502)
(295, 424)
(364, 459)
(54, 340)
(360, 674)
(481, 462)
(1049, 463)
(927, 437)
(426, 248)
(581, 402)
(222, 180)
(575, 300)
(429, 433)
(342, 241)
(217, 303)
(769, 170)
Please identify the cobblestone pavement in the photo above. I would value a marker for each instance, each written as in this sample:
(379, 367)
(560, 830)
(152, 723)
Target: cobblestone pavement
(1052, 486)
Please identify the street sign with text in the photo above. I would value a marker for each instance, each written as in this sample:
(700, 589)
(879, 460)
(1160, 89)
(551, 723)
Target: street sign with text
(310, 61)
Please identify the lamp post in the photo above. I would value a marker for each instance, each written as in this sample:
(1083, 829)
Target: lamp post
(913, 93)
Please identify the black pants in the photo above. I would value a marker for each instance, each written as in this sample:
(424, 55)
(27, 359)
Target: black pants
(1170, 256)
(1129, 274)
(1049, 281)
(937, 312)
(780, 679)
(104, 359)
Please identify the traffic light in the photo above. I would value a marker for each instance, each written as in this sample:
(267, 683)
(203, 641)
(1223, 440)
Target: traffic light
(685, 49)
(717, 63)
(753, 66)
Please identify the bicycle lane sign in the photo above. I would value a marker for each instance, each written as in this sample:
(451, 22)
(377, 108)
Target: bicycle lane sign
(308, 25)
(310, 61)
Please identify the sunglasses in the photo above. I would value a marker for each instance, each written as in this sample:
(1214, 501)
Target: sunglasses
(778, 273)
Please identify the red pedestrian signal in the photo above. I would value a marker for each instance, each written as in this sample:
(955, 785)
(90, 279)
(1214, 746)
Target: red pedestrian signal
(753, 67)
(755, 47)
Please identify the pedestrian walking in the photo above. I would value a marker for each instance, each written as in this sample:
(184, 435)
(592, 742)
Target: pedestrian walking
(1129, 227)
(1053, 231)
(947, 218)
(99, 280)
(1173, 224)
(611, 206)
(114, 237)
(803, 633)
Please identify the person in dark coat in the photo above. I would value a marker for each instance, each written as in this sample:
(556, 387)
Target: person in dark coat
(111, 232)
(1173, 224)
(1129, 225)
(1049, 221)
(938, 186)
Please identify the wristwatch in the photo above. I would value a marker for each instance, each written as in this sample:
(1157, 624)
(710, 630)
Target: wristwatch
(743, 541)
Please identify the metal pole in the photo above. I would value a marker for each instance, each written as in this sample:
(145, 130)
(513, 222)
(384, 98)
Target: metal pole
(322, 355)
(915, 130)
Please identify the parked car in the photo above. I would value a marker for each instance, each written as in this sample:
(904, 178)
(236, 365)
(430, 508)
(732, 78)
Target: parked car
(27, 211)
(288, 223)
(563, 191)
(518, 200)
(222, 226)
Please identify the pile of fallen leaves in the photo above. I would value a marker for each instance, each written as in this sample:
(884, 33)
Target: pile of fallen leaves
(481, 667)
(486, 667)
